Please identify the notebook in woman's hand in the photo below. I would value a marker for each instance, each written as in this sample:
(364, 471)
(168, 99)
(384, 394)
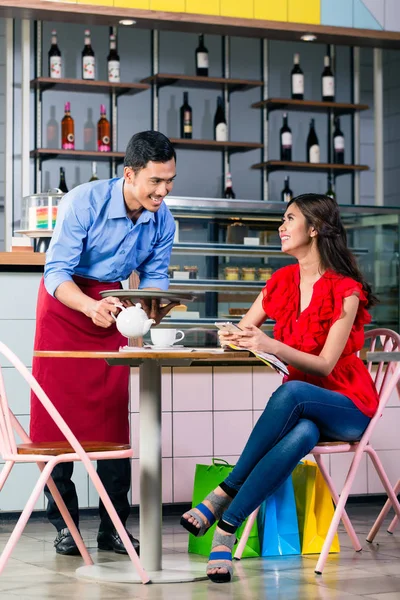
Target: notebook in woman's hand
(269, 359)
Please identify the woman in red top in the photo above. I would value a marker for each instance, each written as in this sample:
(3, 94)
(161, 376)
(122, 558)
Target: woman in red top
(320, 308)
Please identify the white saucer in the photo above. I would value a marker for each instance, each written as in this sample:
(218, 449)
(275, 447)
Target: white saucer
(173, 347)
(148, 347)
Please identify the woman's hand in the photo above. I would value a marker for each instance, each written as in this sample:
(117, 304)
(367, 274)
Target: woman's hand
(225, 338)
(253, 338)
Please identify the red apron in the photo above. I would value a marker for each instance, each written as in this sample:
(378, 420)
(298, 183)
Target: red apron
(91, 396)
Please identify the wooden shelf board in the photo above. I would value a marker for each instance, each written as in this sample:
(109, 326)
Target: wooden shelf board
(277, 165)
(47, 153)
(82, 85)
(194, 81)
(338, 108)
(191, 144)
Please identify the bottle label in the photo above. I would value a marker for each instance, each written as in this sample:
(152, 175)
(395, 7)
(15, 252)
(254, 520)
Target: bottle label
(287, 196)
(328, 86)
(104, 144)
(338, 142)
(55, 67)
(286, 140)
(221, 132)
(88, 64)
(298, 83)
(314, 154)
(202, 60)
(187, 122)
(113, 71)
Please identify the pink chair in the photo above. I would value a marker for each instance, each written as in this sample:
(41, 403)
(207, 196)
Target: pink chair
(46, 456)
(385, 380)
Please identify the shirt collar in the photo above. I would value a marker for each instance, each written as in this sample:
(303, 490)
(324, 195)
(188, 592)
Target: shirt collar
(117, 207)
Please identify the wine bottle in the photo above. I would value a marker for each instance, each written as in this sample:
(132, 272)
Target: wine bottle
(62, 183)
(330, 192)
(220, 126)
(328, 81)
(297, 79)
(313, 152)
(186, 117)
(94, 172)
(55, 61)
(286, 139)
(113, 62)
(286, 194)
(88, 58)
(228, 192)
(338, 144)
(67, 129)
(103, 131)
(201, 58)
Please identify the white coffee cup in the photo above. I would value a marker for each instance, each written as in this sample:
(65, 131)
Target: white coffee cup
(164, 337)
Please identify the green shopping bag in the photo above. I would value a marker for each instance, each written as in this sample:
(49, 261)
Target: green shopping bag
(206, 479)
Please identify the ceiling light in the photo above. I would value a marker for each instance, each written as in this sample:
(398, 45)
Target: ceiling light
(308, 37)
(127, 22)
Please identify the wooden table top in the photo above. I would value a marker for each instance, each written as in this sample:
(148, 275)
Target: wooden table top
(203, 353)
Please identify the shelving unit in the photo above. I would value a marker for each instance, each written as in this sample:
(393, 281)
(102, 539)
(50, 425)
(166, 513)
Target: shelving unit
(282, 165)
(49, 153)
(195, 81)
(87, 86)
(338, 108)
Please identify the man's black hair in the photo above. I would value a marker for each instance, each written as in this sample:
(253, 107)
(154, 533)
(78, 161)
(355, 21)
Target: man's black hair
(148, 146)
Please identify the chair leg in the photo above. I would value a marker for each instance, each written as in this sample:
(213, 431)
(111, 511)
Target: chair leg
(116, 522)
(390, 502)
(23, 519)
(246, 532)
(67, 518)
(335, 497)
(338, 514)
(6, 470)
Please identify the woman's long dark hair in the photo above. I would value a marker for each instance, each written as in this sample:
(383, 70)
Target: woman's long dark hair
(322, 213)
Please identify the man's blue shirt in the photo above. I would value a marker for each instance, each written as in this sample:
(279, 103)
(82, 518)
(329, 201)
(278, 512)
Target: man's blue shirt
(95, 238)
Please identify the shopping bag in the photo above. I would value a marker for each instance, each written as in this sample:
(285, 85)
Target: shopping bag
(206, 479)
(277, 523)
(314, 508)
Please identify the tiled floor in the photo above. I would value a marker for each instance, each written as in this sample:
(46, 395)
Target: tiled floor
(35, 571)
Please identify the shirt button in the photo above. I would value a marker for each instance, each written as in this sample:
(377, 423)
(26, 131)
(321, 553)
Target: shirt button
(123, 252)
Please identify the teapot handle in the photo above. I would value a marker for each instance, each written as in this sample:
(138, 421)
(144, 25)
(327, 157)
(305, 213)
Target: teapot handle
(119, 306)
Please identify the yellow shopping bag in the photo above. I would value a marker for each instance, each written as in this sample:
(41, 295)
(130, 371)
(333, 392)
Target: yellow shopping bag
(314, 508)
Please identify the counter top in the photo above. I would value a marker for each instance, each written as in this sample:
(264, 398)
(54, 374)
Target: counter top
(22, 258)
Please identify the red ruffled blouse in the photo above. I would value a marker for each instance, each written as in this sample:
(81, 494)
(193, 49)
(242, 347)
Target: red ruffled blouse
(308, 332)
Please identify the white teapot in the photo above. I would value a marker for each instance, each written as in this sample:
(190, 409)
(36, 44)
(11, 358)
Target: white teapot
(132, 321)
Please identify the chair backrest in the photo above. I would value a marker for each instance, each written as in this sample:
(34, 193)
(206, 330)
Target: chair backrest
(8, 422)
(387, 373)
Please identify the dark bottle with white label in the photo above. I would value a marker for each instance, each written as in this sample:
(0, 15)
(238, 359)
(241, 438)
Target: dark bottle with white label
(186, 118)
(328, 81)
(297, 79)
(286, 139)
(313, 151)
(338, 143)
(55, 60)
(201, 58)
(88, 58)
(220, 126)
(228, 192)
(286, 194)
(113, 62)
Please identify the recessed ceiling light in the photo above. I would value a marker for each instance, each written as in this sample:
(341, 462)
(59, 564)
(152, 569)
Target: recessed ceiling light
(127, 22)
(308, 37)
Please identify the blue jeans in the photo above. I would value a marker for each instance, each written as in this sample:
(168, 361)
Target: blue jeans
(297, 416)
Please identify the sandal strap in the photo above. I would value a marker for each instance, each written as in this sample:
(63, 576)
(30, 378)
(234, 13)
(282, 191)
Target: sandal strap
(219, 539)
(220, 556)
(226, 526)
(206, 512)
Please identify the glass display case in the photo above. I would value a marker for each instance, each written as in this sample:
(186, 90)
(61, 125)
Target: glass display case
(225, 250)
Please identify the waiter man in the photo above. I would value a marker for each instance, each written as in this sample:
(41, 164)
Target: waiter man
(105, 230)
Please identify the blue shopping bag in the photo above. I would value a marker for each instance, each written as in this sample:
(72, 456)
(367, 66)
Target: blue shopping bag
(278, 529)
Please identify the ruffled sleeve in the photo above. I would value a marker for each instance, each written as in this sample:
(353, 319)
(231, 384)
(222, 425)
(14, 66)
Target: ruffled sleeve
(278, 293)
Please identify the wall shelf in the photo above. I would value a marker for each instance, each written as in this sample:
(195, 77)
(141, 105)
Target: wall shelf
(87, 86)
(48, 153)
(281, 165)
(191, 144)
(219, 83)
(216, 249)
(338, 108)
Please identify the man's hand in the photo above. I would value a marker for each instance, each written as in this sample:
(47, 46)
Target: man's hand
(152, 308)
(101, 311)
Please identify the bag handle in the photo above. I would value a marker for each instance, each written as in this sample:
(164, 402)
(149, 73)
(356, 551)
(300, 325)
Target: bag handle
(220, 462)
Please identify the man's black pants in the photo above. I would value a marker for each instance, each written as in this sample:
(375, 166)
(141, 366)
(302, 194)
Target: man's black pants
(116, 478)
